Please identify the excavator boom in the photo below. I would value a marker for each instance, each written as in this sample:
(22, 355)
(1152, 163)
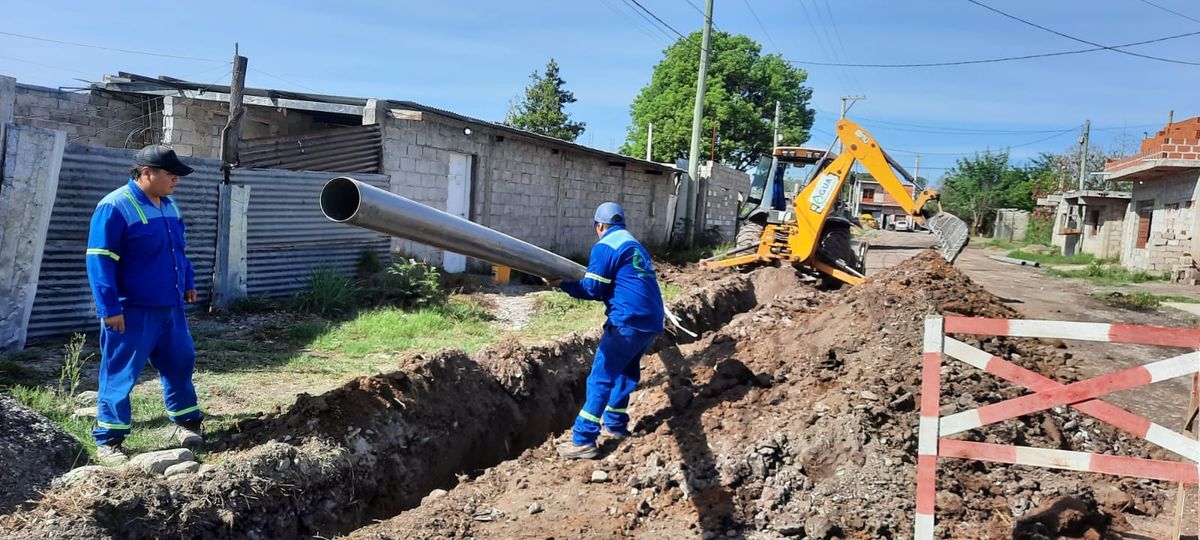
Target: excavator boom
(813, 237)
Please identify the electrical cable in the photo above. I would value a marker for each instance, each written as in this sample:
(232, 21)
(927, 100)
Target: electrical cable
(1147, 2)
(60, 42)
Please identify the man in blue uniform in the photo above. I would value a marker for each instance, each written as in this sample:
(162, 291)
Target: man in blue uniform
(140, 280)
(620, 274)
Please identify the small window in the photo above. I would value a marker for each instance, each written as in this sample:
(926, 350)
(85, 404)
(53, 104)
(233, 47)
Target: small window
(868, 195)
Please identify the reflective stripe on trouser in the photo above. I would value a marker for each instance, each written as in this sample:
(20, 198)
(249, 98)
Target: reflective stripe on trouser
(157, 335)
(616, 370)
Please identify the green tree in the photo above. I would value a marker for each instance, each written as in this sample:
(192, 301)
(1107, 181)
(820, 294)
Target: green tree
(742, 87)
(541, 110)
(980, 184)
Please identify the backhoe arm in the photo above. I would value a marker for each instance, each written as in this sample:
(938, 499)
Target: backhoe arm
(866, 150)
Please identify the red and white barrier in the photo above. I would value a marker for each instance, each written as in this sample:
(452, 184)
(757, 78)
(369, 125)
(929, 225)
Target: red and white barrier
(1082, 396)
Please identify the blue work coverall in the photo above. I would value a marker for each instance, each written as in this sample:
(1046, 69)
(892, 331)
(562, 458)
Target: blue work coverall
(619, 273)
(136, 266)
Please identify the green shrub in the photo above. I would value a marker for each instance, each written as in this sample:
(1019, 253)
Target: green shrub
(1039, 231)
(408, 282)
(369, 263)
(328, 294)
(1107, 274)
(73, 361)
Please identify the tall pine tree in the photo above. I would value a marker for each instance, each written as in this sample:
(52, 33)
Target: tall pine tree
(541, 110)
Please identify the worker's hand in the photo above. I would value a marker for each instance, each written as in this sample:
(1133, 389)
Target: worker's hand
(552, 282)
(189, 296)
(116, 322)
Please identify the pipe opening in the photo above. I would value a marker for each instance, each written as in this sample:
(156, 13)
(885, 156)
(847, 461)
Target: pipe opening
(340, 199)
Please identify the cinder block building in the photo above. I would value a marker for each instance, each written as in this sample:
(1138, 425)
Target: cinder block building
(1090, 221)
(1159, 231)
(537, 188)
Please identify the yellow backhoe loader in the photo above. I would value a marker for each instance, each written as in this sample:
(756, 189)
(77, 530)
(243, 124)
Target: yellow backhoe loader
(814, 232)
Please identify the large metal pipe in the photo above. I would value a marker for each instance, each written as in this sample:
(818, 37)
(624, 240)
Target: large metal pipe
(346, 200)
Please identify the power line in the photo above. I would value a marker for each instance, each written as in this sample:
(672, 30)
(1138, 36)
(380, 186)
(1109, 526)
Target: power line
(60, 42)
(278, 78)
(633, 22)
(701, 12)
(760, 25)
(657, 18)
(1001, 59)
(1073, 38)
(1006, 148)
(43, 65)
(1147, 2)
(648, 20)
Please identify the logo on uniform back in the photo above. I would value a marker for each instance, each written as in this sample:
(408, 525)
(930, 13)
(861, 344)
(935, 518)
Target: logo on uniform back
(640, 264)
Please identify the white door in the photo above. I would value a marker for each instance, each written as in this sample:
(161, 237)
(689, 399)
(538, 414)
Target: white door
(458, 202)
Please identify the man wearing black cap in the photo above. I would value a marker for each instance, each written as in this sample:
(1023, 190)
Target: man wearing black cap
(140, 280)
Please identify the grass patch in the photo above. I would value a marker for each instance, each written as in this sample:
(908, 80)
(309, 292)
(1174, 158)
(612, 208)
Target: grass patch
(14, 372)
(1109, 274)
(1142, 300)
(679, 255)
(557, 314)
(1054, 258)
(458, 323)
(670, 291)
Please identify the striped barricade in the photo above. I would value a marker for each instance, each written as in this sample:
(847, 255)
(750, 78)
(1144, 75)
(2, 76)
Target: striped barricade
(1047, 393)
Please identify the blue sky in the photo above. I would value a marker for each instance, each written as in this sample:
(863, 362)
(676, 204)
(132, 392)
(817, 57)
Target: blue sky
(474, 57)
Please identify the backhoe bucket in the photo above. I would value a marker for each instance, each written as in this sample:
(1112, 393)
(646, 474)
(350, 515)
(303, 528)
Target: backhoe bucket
(951, 232)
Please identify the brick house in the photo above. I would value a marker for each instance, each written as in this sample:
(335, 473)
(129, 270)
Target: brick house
(1161, 221)
(875, 200)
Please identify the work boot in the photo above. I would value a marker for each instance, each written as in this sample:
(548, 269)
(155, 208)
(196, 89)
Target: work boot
(111, 454)
(189, 434)
(617, 434)
(569, 450)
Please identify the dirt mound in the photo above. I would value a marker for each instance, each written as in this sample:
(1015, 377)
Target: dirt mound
(33, 451)
(796, 419)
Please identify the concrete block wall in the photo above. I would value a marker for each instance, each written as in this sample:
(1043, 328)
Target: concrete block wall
(193, 126)
(721, 188)
(521, 186)
(94, 118)
(1173, 240)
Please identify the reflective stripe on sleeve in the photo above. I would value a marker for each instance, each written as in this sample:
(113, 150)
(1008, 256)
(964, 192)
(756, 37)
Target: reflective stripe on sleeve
(597, 277)
(104, 252)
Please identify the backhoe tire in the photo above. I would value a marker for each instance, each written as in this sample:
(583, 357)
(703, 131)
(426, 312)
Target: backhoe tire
(750, 233)
(835, 244)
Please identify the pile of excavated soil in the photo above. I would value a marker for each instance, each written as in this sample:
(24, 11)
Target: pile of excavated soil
(799, 419)
(33, 451)
(794, 414)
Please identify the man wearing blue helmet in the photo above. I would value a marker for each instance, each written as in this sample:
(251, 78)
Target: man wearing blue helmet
(620, 274)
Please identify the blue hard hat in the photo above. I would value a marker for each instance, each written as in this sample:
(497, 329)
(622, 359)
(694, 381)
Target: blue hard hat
(610, 213)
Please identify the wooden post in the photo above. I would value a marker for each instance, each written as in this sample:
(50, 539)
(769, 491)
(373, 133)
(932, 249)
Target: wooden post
(231, 134)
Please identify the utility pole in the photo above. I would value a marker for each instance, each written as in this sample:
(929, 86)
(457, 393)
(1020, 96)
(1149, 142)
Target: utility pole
(649, 140)
(775, 138)
(1083, 153)
(231, 134)
(917, 169)
(697, 117)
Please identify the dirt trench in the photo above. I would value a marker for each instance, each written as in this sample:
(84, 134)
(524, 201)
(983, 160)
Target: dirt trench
(367, 450)
(793, 415)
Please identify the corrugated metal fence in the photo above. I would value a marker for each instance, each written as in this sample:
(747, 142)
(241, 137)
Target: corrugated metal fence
(287, 236)
(347, 149)
(64, 301)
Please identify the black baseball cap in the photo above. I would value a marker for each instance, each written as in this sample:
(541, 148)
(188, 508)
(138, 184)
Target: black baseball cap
(162, 157)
